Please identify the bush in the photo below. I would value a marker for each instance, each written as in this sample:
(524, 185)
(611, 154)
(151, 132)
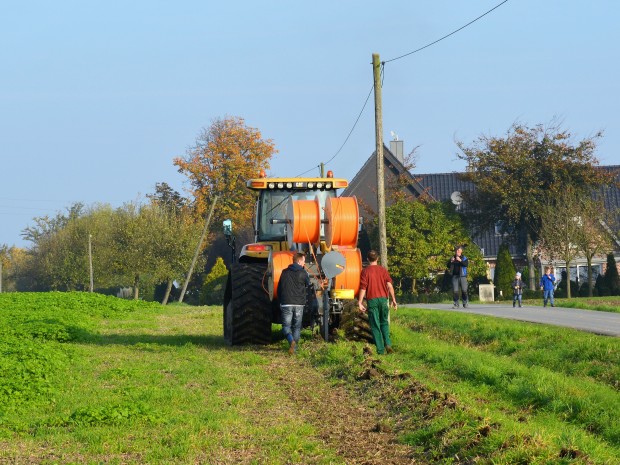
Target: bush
(561, 291)
(583, 290)
(432, 298)
(600, 286)
(612, 280)
(504, 272)
(529, 294)
(212, 291)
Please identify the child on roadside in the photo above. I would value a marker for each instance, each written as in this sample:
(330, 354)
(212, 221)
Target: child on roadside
(517, 290)
(547, 284)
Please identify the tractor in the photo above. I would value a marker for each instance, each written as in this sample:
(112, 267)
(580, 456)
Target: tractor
(293, 215)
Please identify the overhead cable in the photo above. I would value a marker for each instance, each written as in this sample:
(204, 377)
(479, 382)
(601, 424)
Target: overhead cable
(447, 35)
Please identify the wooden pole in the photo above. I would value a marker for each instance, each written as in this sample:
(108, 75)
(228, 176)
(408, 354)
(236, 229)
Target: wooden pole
(205, 230)
(376, 68)
(90, 263)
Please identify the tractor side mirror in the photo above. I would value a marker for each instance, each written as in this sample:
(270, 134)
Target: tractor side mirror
(227, 225)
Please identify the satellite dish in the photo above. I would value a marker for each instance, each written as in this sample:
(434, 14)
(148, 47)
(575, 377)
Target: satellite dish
(333, 264)
(456, 198)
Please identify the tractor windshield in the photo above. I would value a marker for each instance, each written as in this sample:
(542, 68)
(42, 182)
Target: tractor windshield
(273, 205)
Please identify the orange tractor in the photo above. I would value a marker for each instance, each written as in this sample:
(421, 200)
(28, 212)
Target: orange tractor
(293, 215)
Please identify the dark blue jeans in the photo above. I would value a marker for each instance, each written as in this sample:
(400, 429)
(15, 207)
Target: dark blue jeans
(548, 295)
(291, 320)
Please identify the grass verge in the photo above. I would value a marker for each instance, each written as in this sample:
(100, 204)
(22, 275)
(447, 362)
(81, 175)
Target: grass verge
(94, 379)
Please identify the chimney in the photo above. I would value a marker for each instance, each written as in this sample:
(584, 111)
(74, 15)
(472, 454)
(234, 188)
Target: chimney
(396, 147)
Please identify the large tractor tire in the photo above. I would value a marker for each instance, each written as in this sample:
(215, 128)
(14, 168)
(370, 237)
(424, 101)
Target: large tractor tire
(247, 308)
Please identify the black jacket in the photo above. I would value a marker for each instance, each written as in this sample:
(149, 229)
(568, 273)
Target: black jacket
(458, 268)
(292, 285)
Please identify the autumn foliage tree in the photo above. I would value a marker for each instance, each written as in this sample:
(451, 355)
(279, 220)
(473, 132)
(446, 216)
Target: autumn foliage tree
(225, 155)
(517, 174)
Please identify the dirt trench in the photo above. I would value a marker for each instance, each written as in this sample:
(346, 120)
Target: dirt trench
(356, 431)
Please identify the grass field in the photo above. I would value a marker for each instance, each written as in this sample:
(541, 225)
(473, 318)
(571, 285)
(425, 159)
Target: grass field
(94, 379)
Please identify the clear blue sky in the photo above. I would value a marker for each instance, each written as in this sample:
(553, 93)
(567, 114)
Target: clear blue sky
(98, 97)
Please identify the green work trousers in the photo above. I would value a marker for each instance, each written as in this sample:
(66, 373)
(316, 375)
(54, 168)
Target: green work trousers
(378, 312)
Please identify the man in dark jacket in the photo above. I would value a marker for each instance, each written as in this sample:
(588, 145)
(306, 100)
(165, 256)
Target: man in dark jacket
(458, 269)
(292, 292)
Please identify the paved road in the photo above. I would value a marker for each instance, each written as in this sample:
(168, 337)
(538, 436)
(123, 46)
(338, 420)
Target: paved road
(586, 320)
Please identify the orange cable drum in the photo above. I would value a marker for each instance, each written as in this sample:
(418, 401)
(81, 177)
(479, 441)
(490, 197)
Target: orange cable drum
(350, 277)
(305, 222)
(342, 227)
(278, 262)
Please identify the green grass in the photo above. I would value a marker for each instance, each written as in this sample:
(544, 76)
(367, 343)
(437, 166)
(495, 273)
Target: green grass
(602, 304)
(496, 391)
(136, 383)
(94, 379)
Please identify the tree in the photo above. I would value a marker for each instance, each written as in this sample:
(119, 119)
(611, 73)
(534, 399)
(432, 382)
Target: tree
(561, 228)
(177, 243)
(168, 198)
(504, 271)
(593, 237)
(421, 237)
(224, 156)
(132, 230)
(16, 265)
(174, 237)
(4, 262)
(44, 266)
(573, 227)
(515, 175)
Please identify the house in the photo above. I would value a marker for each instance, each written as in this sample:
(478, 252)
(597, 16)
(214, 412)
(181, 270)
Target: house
(449, 187)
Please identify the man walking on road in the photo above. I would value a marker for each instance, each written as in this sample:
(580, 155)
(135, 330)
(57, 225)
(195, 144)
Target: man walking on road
(376, 286)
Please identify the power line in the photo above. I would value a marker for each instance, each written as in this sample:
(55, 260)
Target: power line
(448, 35)
(348, 136)
(383, 76)
(354, 124)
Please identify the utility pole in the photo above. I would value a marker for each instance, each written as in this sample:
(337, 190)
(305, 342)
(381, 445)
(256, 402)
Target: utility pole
(376, 68)
(90, 262)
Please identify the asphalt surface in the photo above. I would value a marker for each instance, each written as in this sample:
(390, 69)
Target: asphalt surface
(605, 323)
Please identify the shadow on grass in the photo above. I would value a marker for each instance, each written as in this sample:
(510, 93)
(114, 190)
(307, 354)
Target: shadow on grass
(163, 340)
(208, 340)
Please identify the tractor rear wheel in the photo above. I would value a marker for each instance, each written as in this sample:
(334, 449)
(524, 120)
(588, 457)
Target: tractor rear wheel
(247, 308)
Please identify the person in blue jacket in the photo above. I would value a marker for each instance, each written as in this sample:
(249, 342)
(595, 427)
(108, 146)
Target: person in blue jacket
(547, 284)
(458, 269)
